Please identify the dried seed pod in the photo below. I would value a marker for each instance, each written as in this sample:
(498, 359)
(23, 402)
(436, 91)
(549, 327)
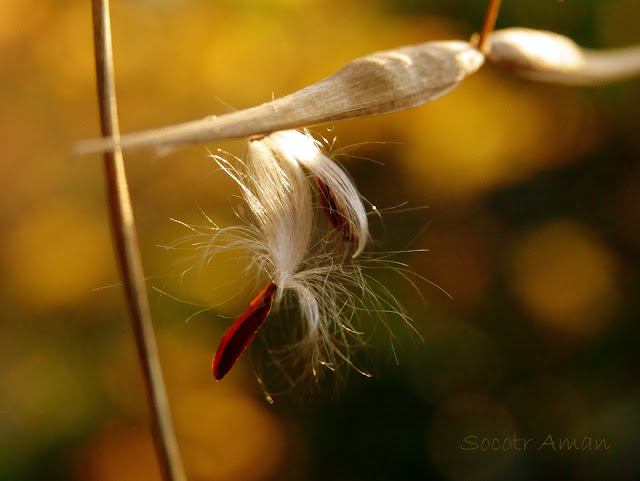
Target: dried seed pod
(554, 58)
(379, 83)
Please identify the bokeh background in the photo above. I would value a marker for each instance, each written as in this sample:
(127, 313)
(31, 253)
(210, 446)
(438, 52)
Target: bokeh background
(532, 227)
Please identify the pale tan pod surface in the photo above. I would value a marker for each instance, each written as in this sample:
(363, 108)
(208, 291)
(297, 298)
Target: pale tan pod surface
(379, 83)
(554, 58)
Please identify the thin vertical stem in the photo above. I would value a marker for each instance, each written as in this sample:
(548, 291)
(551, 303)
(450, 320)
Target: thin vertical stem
(489, 23)
(128, 255)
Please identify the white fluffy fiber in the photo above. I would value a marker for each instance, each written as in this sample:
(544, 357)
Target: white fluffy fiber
(282, 240)
(304, 149)
(313, 269)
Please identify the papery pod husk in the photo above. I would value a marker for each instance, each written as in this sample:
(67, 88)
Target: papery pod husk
(550, 57)
(383, 82)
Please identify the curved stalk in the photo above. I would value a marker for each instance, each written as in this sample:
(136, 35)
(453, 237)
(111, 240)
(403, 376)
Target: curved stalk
(128, 255)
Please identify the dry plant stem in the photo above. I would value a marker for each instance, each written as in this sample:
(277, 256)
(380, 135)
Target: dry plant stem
(489, 23)
(126, 245)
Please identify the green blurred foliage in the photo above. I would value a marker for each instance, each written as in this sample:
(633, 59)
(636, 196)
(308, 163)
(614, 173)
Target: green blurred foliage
(532, 227)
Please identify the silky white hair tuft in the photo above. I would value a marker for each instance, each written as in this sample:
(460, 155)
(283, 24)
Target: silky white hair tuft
(277, 192)
(345, 208)
(329, 286)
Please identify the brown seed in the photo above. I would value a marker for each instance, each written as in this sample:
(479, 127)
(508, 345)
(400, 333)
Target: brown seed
(243, 330)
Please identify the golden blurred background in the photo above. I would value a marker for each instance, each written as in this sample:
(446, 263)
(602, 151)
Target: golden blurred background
(532, 228)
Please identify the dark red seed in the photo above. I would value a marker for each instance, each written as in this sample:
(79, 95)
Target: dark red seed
(241, 333)
(335, 212)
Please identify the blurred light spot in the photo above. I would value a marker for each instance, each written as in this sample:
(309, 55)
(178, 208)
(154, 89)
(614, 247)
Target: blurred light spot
(488, 132)
(228, 437)
(186, 366)
(56, 255)
(117, 454)
(56, 51)
(564, 276)
(19, 18)
(467, 420)
(223, 435)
